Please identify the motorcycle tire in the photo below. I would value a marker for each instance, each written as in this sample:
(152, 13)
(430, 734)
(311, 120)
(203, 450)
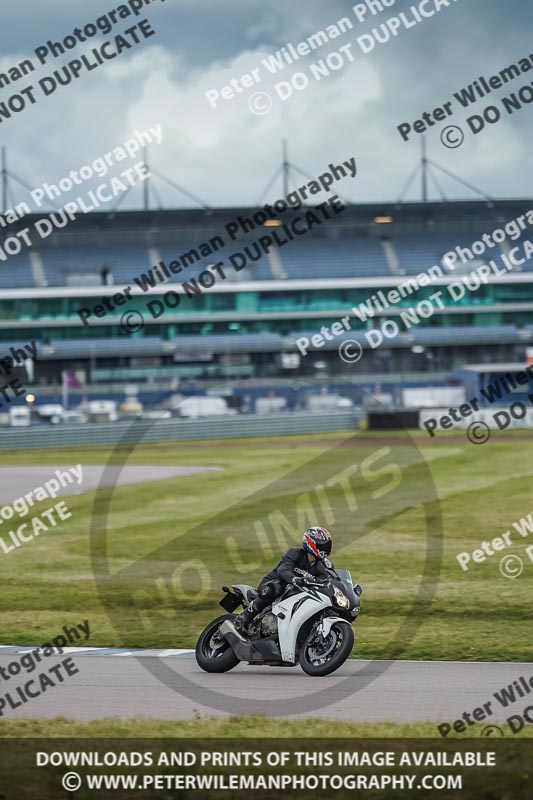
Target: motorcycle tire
(338, 657)
(210, 658)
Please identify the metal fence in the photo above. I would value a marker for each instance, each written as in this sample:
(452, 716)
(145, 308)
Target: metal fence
(127, 432)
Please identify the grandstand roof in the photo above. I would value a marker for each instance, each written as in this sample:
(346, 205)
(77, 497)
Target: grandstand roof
(249, 343)
(463, 212)
(435, 336)
(505, 367)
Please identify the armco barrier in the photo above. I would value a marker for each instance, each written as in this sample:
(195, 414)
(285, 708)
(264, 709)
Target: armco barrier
(178, 429)
(393, 419)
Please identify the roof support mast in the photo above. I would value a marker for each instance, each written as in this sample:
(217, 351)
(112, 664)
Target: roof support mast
(146, 188)
(285, 168)
(424, 172)
(427, 167)
(4, 181)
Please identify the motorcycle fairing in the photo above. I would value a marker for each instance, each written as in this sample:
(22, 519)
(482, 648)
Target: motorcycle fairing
(292, 612)
(328, 622)
(248, 592)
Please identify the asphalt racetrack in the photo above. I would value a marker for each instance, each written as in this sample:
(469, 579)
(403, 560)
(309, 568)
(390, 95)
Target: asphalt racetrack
(120, 685)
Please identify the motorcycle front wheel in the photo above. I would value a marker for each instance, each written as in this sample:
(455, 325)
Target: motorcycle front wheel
(319, 657)
(213, 653)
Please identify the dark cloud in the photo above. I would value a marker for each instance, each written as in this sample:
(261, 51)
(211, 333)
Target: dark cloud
(227, 154)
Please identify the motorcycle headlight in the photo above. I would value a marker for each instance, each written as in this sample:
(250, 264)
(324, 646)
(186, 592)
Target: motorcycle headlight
(341, 599)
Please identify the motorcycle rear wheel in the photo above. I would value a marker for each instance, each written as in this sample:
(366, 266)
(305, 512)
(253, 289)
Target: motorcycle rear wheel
(213, 653)
(323, 658)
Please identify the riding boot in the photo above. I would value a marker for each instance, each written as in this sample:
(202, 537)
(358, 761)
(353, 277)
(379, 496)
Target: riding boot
(243, 619)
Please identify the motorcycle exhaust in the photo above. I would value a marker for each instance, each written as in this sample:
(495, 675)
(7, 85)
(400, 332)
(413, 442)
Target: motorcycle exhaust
(244, 650)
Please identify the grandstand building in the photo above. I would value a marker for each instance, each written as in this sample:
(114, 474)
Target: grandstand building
(247, 326)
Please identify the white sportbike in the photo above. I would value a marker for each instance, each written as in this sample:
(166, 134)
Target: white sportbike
(310, 624)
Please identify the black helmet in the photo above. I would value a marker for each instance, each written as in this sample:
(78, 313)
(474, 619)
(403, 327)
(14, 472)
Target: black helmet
(317, 541)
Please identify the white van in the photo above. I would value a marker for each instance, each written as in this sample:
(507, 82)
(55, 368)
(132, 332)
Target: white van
(193, 407)
(19, 417)
(51, 412)
(99, 410)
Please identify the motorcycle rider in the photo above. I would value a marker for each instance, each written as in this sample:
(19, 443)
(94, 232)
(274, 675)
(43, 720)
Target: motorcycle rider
(312, 557)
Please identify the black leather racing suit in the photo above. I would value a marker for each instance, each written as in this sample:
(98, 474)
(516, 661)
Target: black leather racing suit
(273, 584)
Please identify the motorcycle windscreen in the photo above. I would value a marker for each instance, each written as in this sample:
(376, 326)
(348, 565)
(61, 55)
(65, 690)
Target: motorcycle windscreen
(345, 576)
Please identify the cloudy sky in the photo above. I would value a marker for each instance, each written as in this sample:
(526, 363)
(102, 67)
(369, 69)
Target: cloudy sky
(227, 155)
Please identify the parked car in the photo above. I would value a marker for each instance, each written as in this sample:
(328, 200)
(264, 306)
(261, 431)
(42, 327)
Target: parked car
(194, 407)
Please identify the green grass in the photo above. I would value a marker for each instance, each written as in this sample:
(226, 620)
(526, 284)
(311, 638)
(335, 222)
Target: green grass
(150, 573)
(234, 727)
